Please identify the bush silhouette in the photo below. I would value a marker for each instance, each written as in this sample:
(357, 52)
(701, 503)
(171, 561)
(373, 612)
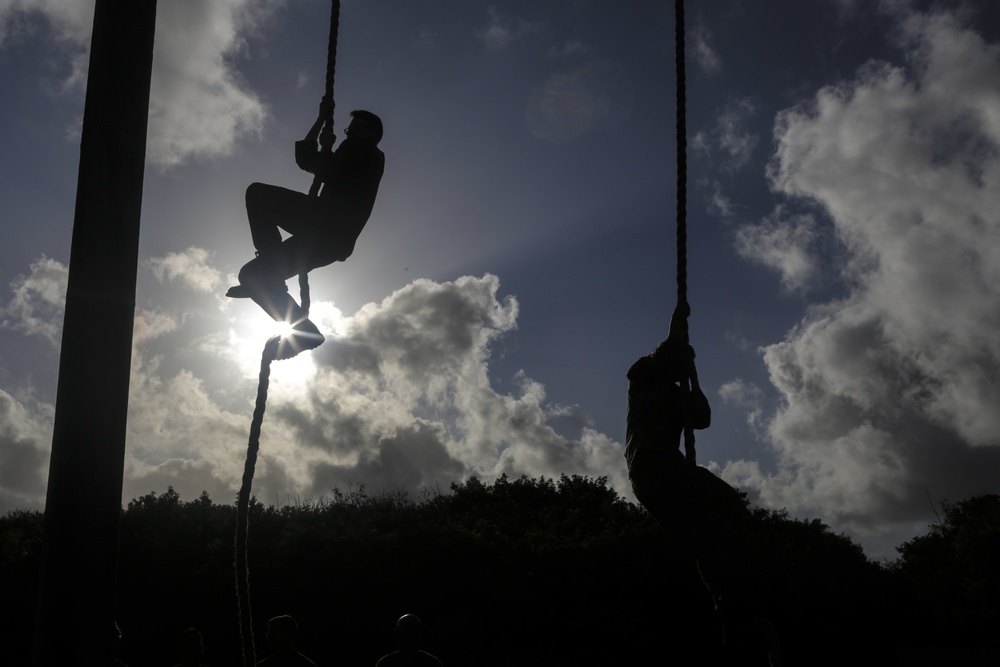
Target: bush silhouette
(518, 571)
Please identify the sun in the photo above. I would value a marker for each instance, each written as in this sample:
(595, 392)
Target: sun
(262, 328)
(251, 332)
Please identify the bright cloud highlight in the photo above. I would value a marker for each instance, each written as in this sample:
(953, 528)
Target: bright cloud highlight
(400, 398)
(889, 394)
(199, 107)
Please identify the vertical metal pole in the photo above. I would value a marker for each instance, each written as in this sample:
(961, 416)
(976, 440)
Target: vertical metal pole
(76, 601)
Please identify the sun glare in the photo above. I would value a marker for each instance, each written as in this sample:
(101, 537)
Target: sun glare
(288, 374)
(261, 328)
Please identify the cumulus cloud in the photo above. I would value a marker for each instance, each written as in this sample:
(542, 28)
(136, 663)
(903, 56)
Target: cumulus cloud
(720, 203)
(37, 305)
(190, 267)
(730, 137)
(399, 398)
(783, 242)
(705, 56)
(890, 393)
(70, 23)
(741, 392)
(199, 107)
(733, 137)
(25, 434)
(405, 397)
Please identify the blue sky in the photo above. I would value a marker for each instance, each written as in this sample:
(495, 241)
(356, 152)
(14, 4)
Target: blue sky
(844, 245)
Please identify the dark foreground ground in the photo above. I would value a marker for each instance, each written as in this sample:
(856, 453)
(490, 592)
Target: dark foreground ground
(523, 572)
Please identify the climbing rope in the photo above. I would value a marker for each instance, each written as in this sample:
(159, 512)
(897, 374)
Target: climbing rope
(243, 504)
(326, 140)
(304, 293)
(326, 137)
(681, 155)
(689, 440)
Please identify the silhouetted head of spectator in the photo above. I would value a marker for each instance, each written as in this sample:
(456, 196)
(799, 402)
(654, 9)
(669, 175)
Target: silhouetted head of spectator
(281, 633)
(408, 632)
(190, 647)
(365, 125)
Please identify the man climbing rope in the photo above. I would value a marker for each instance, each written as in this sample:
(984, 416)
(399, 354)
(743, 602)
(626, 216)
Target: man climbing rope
(323, 229)
(661, 407)
(706, 516)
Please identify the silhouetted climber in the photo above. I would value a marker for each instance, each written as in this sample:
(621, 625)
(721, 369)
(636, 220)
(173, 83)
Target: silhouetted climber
(323, 229)
(408, 635)
(691, 502)
(707, 516)
(190, 648)
(282, 631)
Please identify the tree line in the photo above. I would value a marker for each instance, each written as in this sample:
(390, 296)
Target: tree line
(518, 572)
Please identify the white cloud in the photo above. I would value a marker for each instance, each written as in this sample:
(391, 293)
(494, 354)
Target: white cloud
(399, 398)
(705, 56)
(150, 325)
(730, 136)
(700, 143)
(189, 267)
(783, 242)
(747, 397)
(37, 306)
(199, 106)
(741, 393)
(720, 202)
(71, 21)
(25, 434)
(733, 137)
(890, 394)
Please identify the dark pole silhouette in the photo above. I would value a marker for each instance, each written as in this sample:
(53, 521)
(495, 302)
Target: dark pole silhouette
(76, 597)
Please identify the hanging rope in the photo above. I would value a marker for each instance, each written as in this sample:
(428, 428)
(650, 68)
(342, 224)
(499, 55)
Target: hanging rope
(689, 440)
(304, 293)
(327, 136)
(326, 140)
(243, 505)
(681, 155)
